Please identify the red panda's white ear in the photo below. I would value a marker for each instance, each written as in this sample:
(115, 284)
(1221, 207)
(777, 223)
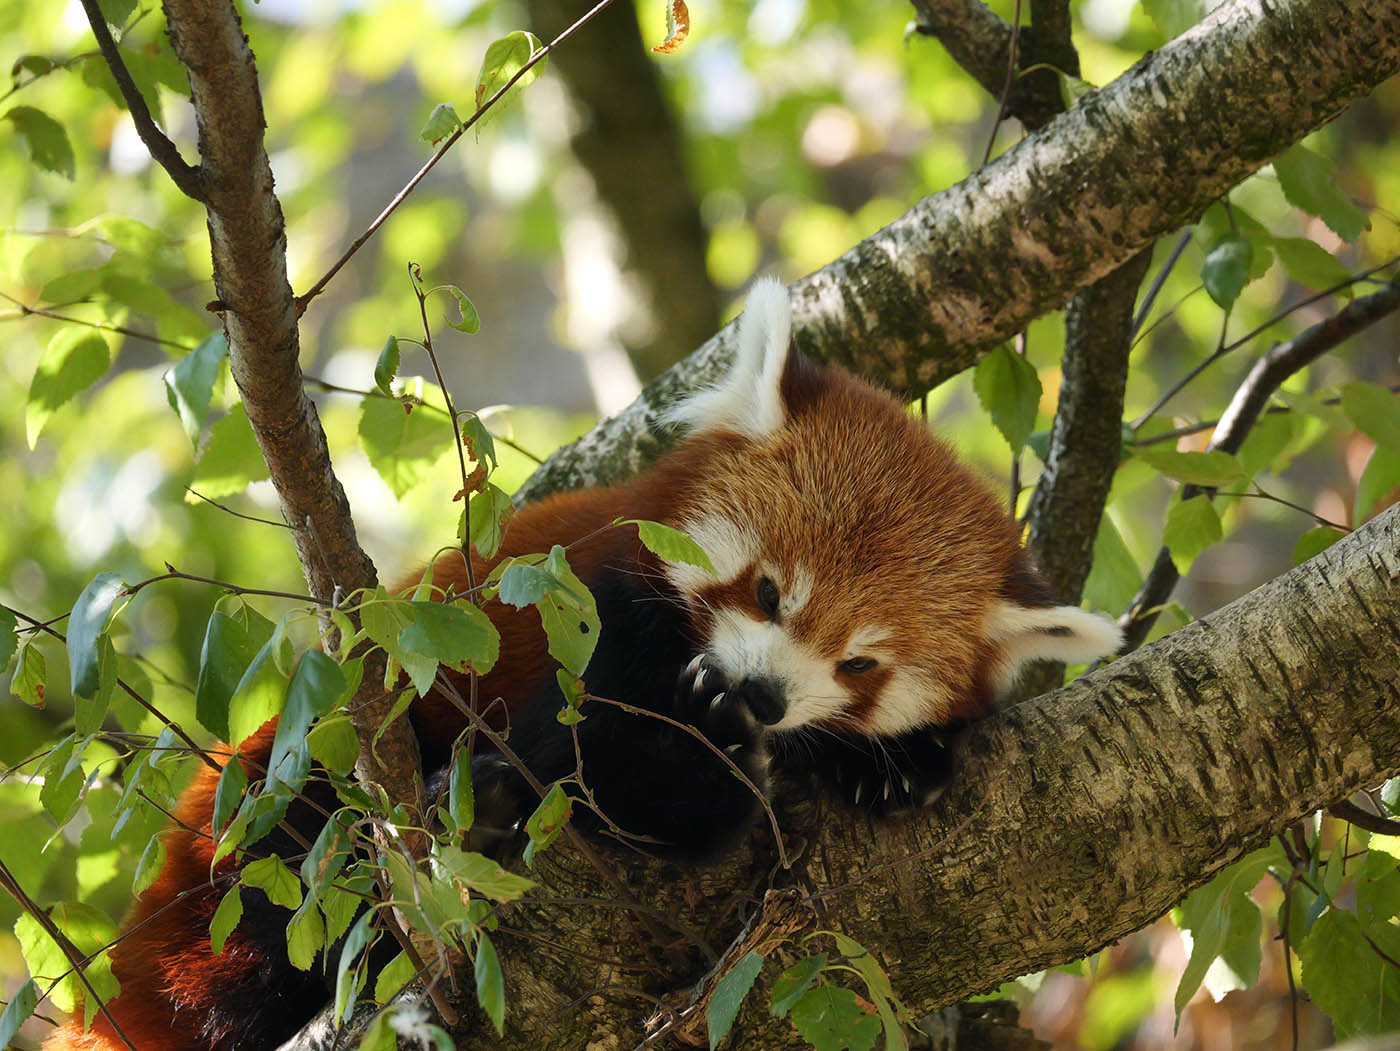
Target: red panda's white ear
(1057, 633)
(748, 400)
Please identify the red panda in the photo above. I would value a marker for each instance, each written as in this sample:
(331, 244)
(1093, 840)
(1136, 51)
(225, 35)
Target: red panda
(868, 590)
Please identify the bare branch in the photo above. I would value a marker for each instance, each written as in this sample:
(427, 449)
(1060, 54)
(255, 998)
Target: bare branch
(966, 268)
(1250, 401)
(183, 175)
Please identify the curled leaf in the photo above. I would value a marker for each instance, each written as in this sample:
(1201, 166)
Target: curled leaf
(677, 28)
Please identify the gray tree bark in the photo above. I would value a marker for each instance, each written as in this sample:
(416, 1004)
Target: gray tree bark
(965, 269)
(1076, 818)
(247, 237)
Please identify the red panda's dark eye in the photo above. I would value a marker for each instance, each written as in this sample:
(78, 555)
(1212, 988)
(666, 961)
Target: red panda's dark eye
(768, 596)
(856, 665)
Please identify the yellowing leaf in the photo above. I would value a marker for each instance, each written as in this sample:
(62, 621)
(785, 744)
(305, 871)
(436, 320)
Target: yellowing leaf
(677, 28)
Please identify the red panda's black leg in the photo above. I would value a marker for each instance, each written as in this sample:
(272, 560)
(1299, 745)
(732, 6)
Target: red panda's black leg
(883, 775)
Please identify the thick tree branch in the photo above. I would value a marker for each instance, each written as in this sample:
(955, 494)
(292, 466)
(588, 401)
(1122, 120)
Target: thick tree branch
(1250, 400)
(1076, 818)
(1086, 442)
(247, 237)
(968, 267)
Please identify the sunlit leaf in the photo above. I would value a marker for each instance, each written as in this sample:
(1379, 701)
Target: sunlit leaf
(490, 983)
(1225, 270)
(86, 624)
(189, 383)
(231, 457)
(504, 59)
(442, 122)
(1009, 390)
(73, 361)
(48, 143)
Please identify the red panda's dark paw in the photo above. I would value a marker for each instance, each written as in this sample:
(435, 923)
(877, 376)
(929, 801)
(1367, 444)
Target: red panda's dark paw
(705, 700)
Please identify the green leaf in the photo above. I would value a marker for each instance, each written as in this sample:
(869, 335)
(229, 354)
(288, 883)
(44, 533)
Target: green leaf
(470, 321)
(1192, 526)
(63, 781)
(1314, 542)
(47, 141)
(349, 977)
(271, 876)
(89, 712)
(228, 796)
(73, 361)
(729, 995)
(86, 624)
(461, 800)
(504, 58)
(545, 824)
(231, 457)
(189, 383)
(229, 648)
(793, 983)
(382, 619)
(442, 122)
(89, 930)
(483, 875)
(329, 854)
(9, 640)
(1379, 479)
(1374, 410)
(258, 696)
(490, 983)
(1268, 439)
(1224, 921)
(387, 367)
(569, 616)
(479, 441)
(316, 685)
(1345, 977)
(574, 694)
(31, 676)
(402, 440)
(832, 1019)
(1009, 389)
(487, 514)
(17, 1011)
(394, 977)
(457, 634)
(1214, 468)
(523, 584)
(334, 745)
(148, 868)
(116, 12)
(671, 545)
(1225, 271)
(1311, 265)
(341, 903)
(1309, 182)
(306, 935)
(226, 918)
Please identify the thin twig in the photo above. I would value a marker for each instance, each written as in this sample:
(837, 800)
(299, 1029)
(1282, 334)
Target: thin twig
(182, 174)
(236, 514)
(1278, 363)
(76, 960)
(303, 300)
(25, 310)
(1183, 239)
(1010, 81)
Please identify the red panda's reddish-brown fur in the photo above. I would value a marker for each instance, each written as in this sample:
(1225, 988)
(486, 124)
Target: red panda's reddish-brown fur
(867, 585)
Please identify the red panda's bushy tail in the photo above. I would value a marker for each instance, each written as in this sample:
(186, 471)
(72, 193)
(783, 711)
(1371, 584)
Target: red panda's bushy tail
(176, 995)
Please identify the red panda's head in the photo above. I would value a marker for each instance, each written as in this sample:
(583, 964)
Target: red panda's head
(865, 580)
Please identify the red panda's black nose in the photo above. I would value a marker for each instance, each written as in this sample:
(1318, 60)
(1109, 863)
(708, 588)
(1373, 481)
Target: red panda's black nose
(764, 698)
